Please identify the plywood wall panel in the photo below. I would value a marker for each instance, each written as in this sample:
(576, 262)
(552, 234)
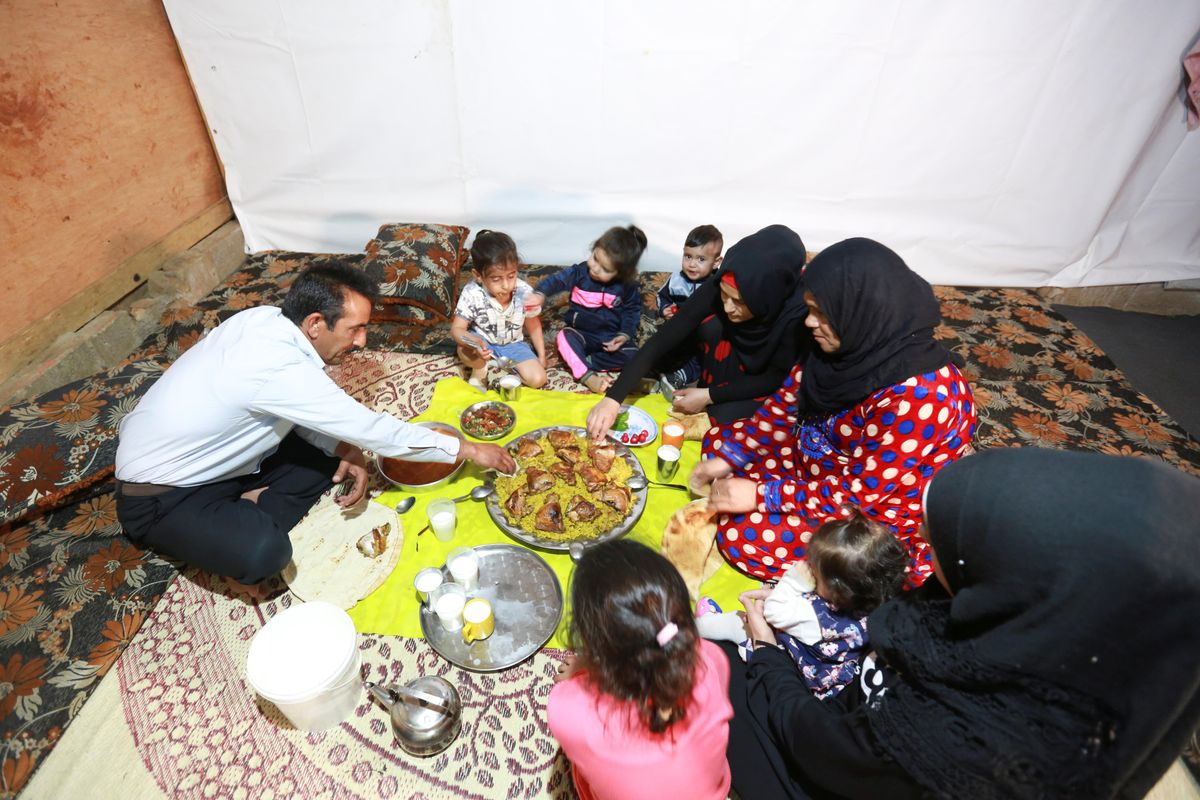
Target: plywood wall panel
(102, 147)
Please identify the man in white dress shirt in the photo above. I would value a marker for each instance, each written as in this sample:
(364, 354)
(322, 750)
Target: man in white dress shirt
(236, 441)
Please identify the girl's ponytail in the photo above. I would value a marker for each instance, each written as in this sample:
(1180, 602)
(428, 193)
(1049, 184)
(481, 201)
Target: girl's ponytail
(624, 247)
(633, 629)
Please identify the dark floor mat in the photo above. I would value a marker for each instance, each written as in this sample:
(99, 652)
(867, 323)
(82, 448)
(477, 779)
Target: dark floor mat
(1159, 355)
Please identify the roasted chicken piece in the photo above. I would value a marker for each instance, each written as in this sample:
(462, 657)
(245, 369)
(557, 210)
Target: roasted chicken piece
(539, 480)
(374, 543)
(571, 455)
(516, 504)
(615, 496)
(580, 510)
(529, 448)
(592, 477)
(550, 518)
(563, 470)
(561, 439)
(603, 456)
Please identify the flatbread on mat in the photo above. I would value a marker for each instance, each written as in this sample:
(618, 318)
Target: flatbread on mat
(694, 425)
(689, 542)
(326, 562)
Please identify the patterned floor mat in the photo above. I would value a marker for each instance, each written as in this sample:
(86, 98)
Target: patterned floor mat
(73, 591)
(180, 720)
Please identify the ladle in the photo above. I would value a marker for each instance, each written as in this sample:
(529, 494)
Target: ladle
(637, 483)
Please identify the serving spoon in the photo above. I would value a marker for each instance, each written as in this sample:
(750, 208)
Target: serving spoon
(637, 483)
(478, 493)
(405, 504)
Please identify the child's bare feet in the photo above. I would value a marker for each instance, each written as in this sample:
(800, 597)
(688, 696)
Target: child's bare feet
(596, 382)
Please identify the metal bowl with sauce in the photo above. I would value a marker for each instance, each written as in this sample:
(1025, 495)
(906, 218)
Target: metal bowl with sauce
(415, 475)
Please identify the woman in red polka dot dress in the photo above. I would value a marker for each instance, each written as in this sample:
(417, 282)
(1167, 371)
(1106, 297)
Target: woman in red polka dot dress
(868, 418)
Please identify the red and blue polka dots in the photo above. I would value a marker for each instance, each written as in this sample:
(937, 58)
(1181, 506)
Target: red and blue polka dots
(877, 455)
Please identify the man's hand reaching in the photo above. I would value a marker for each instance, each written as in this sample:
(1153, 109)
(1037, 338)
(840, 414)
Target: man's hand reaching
(489, 456)
(353, 465)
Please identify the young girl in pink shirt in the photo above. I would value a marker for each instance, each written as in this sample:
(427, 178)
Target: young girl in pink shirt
(642, 708)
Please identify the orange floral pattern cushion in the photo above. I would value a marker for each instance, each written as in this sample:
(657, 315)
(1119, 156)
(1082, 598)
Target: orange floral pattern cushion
(417, 266)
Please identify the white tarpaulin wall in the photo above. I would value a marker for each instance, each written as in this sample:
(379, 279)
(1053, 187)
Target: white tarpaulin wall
(1013, 143)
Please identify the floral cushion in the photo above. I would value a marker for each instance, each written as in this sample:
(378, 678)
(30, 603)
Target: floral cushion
(417, 266)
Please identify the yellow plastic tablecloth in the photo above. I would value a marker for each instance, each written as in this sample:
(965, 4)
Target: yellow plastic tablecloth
(393, 608)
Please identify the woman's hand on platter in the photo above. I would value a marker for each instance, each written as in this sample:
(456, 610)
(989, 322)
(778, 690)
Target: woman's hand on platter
(733, 496)
(601, 418)
(702, 477)
(691, 401)
(566, 669)
(756, 622)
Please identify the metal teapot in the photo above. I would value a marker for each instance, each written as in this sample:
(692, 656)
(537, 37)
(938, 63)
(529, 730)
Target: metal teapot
(426, 713)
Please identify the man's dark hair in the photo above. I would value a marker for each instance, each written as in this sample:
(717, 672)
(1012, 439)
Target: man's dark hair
(322, 289)
(702, 235)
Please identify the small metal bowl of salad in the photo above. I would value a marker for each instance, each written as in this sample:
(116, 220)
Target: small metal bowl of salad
(488, 419)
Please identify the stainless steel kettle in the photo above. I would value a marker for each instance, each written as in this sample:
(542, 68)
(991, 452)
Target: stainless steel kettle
(426, 713)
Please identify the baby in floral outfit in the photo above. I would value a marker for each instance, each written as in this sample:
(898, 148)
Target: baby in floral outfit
(819, 607)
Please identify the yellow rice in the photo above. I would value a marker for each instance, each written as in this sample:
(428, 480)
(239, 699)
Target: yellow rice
(605, 521)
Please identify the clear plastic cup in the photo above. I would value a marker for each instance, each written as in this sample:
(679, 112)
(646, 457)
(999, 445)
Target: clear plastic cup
(463, 565)
(426, 581)
(442, 518)
(447, 602)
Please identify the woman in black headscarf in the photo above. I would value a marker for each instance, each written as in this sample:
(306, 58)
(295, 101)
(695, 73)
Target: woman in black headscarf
(873, 412)
(1061, 663)
(747, 320)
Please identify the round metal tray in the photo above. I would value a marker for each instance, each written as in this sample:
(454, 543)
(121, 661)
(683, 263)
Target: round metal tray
(526, 598)
(536, 538)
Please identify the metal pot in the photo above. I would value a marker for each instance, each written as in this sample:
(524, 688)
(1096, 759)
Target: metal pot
(426, 713)
(399, 468)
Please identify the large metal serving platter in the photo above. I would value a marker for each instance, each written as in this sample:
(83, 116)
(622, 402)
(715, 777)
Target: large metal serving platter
(536, 538)
(526, 598)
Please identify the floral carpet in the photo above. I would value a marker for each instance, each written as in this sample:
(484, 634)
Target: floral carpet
(74, 592)
(179, 718)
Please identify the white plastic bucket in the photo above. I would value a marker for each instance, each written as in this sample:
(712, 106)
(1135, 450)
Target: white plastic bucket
(306, 661)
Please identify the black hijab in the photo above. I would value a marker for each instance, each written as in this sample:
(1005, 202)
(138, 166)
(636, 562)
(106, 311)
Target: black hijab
(1067, 663)
(766, 267)
(883, 312)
